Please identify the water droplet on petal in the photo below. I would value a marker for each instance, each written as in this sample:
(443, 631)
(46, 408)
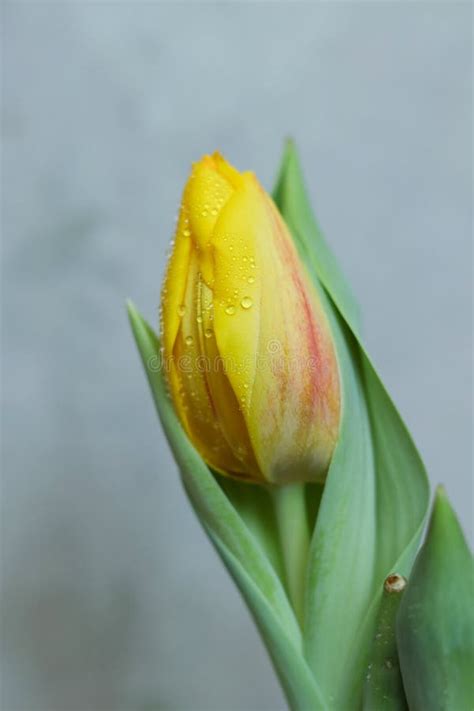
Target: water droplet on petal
(208, 333)
(230, 310)
(189, 340)
(246, 302)
(181, 310)
(250, 280)
(187, 232)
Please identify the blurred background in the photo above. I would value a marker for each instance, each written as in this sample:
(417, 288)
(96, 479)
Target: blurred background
(113, 599)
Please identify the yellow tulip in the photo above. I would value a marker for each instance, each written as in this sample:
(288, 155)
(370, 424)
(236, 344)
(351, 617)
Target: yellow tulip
(249, 357)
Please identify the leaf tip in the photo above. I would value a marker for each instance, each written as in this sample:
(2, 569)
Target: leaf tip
(131, 308)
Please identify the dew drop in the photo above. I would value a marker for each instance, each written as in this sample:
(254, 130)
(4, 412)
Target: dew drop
(199, 319)
(214, 211)
(189, 340)
(246, 302)
(230, 310)
(250, 280)
(208, 333)
(187, 232)
(181, 310)
(204, 213)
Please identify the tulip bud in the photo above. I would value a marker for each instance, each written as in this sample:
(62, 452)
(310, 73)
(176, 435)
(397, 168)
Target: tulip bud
(248, 353)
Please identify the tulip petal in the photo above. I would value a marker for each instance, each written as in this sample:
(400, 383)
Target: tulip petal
(206, 192)
(227, 408)
(188, 383)
(270, 324)
(174, 286)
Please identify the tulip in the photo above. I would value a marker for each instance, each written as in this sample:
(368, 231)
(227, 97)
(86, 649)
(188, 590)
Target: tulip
(248, 352)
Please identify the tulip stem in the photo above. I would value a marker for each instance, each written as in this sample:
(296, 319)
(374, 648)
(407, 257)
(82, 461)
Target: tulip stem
(292, 519)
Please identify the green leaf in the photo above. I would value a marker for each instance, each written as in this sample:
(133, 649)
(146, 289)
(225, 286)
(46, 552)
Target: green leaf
(383, 688)
(435, 625)
(300, 687)
(238, 544)
(375, 499)
(255, 507)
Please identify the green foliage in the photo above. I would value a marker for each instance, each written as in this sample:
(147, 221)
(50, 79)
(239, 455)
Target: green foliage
(435, 626)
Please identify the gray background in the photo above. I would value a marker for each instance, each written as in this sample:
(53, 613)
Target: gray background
(112, 596)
